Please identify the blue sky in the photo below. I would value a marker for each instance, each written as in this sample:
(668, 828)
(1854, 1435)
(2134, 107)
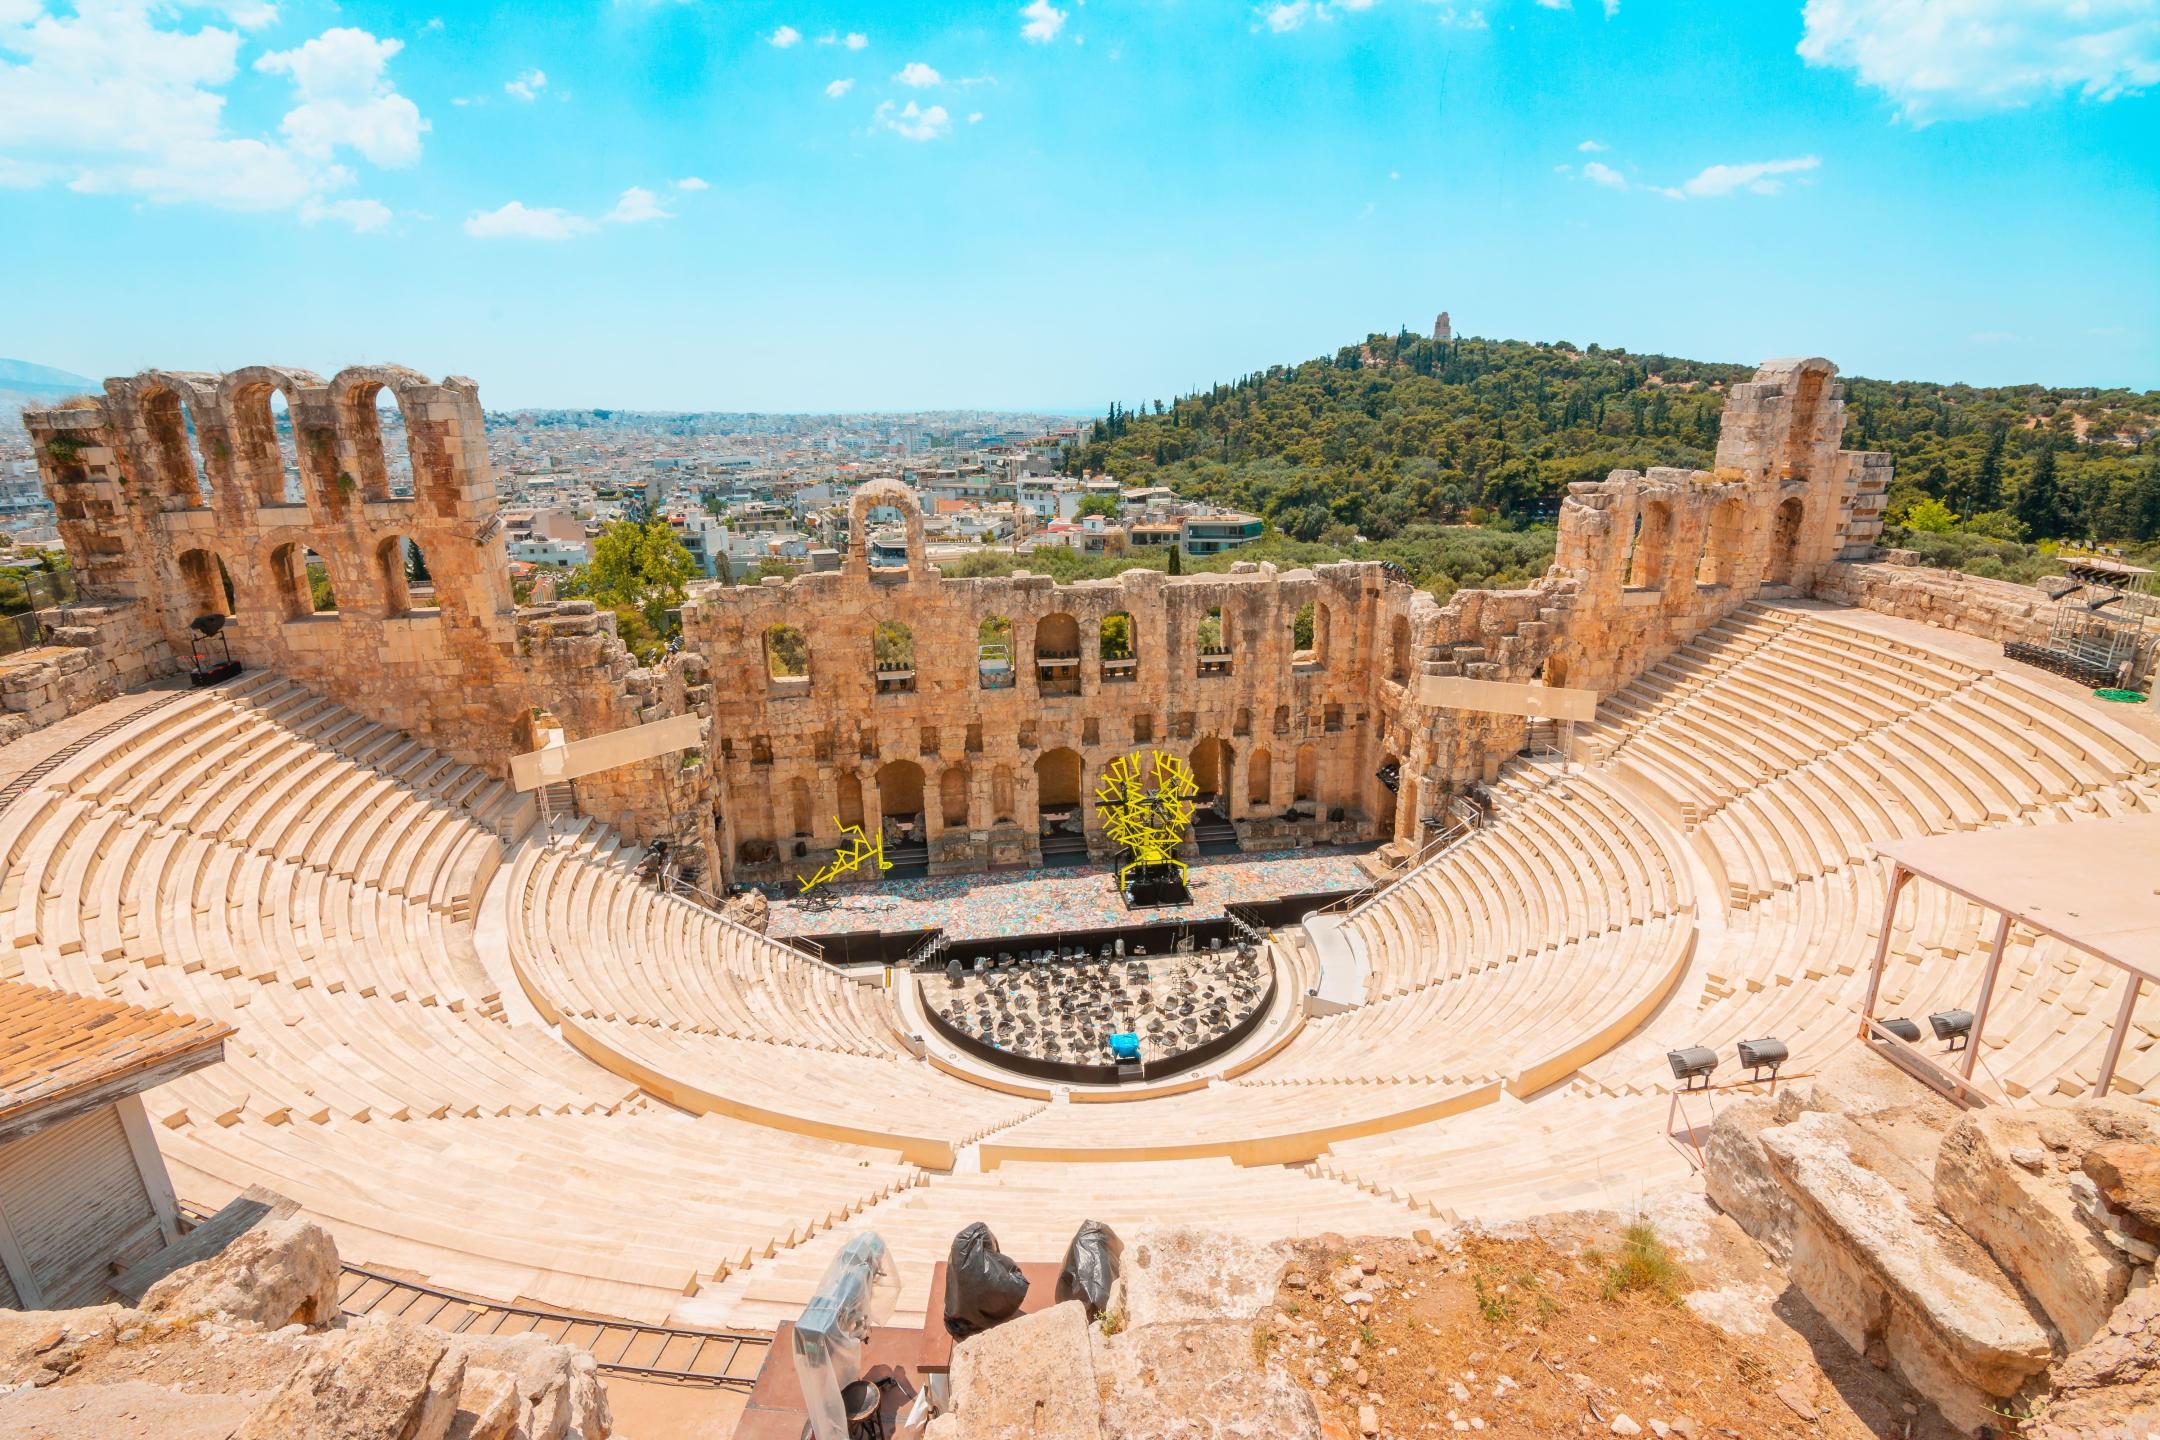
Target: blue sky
(813, 204)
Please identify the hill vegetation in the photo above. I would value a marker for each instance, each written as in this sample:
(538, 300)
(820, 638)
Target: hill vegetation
(1403, 440)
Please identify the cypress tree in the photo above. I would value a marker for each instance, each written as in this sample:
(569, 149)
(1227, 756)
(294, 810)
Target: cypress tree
(2039, 501)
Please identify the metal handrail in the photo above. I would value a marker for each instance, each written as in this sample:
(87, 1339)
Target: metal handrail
(1466, 819)
(801, 946)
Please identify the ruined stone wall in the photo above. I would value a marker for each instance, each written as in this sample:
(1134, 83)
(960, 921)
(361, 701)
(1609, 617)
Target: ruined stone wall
(1991, 609)
(1291, 741)
(171, 497)
(97, 651)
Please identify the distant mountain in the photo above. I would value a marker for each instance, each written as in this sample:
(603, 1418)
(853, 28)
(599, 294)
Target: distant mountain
(22, 383)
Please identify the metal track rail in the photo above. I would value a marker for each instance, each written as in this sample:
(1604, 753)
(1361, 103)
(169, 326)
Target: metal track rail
(722, 1358)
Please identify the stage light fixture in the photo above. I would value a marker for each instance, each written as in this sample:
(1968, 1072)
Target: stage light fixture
(1954, 1026)
(1904, 1029)
(1692, 1066)
(1768, 1053)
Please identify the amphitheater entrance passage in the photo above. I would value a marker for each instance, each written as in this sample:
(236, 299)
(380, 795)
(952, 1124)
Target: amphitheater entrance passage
(1061, 823)
(1057, 655)
(1212, 761)
(900, 811)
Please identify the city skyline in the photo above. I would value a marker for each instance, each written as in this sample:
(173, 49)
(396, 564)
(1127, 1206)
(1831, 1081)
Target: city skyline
(787, 208)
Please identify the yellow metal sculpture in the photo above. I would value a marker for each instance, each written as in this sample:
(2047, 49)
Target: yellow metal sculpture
(849, 858)
(1145, 804)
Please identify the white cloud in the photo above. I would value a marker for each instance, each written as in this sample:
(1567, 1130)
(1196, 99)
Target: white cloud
(1612, 8)
(1593, 147)
(346, 98)
(1044, 20)
(911, 122)
(527, 86)
(839, 88)
(1555, 4)
(918, 75)
(122, 98)
(1947, 58)
(1598, 172)
(783, 37)
(856, 40)
(1283, 16)
(362, 215)
(975, 117)
(691, 182)
(1761, 177)
(519, 221)
(433, 27)
(636, 206)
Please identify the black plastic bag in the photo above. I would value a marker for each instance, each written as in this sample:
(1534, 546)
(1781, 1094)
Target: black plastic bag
(983, 1285)
(1091, 1266)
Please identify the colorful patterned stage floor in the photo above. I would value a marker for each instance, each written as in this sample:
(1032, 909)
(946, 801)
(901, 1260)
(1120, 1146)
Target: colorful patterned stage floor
(1046, 902)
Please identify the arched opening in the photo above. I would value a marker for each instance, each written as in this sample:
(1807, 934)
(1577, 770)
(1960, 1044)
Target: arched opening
(850, 798)
(393, 574)
(1389, 777)
(1800, 434)
(1399, 650)
(208, 586)
(265, 463)
(362, 421)
(1120, 660)
(953, 797)
(892, 657)
(1260, 778)
(180, 472)
(292, 580)
(1060, 823)
(1057, 655)
(1309, 635)
(993, 652)
(1212, 639)
(1307, 776)
(1001, 794)
(1721, 543)
(1648, 562)
(1785, 540)
(900, 801)
(787, 653)
(286, 487)
(801, 818)
(1214, 765)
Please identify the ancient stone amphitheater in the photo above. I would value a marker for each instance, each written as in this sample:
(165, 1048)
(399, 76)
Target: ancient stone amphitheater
(501, 1059)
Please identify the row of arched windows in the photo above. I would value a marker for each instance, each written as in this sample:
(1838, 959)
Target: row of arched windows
(1650, 553)
(258, 446)
(1057, 654)
(301, 583)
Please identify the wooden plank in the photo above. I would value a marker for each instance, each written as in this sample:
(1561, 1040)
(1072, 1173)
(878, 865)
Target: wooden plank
(246, 1210)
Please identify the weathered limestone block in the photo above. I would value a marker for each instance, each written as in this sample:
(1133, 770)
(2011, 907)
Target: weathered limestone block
(2110, 1388)
(2004, 1176)
(1738, 1177)
(1198, 1381)
(386, 1382)
(1033, 1376)
(282, 1271)
(2127, 1175)
(557, 1390)
(1894, 1286)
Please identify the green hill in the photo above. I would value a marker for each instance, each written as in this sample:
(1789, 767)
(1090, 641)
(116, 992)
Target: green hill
(1392, 437)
